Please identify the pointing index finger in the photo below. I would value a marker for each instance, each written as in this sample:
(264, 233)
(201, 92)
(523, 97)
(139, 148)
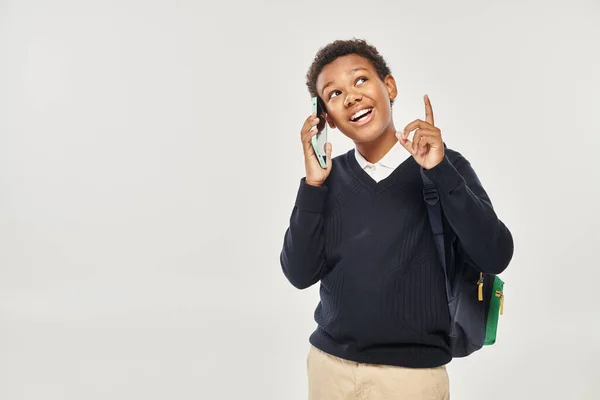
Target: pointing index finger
(428, 111)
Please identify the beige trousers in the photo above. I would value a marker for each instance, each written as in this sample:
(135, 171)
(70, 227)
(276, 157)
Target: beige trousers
(333, 378)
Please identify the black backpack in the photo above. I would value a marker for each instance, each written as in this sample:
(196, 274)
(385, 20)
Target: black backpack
(475, 299)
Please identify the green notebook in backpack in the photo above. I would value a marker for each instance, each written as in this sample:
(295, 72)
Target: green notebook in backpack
(475, 299)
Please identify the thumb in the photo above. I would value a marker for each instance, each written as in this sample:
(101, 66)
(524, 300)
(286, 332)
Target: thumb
(407, 144)
(328, 151)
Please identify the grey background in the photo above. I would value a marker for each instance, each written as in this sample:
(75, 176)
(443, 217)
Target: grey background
(150, 157)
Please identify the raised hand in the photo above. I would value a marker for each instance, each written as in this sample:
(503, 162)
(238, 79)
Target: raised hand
(315, 174)
(427, 147)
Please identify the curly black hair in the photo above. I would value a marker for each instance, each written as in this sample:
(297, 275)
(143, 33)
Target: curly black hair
(340, 48)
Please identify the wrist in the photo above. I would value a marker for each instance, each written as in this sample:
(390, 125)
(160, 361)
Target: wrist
(313, 183)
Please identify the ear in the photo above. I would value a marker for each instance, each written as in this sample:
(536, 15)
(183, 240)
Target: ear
(330, 121)
(390, 85)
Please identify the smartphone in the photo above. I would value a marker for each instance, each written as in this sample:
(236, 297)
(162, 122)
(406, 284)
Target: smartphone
(320, 139)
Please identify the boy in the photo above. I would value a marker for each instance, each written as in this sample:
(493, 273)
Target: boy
(361, 228)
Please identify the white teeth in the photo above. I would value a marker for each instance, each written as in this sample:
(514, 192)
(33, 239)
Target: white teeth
(360, 113)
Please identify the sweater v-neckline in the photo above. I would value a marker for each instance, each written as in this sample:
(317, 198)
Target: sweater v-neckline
(367, 181)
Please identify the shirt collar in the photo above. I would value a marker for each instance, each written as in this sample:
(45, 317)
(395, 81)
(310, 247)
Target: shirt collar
(392, 159)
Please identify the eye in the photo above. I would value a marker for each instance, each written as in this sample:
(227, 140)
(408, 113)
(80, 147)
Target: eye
(331, 95)
(362, 78)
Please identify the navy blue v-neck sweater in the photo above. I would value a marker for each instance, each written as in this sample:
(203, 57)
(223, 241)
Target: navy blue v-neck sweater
(382, 294)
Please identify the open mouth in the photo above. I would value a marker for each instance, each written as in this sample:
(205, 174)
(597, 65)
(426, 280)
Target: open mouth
(362, 116)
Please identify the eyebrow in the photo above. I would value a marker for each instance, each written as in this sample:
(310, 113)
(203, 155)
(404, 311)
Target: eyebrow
(349, 73)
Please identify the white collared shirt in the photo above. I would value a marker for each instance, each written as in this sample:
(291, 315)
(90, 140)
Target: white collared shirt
(384, 167)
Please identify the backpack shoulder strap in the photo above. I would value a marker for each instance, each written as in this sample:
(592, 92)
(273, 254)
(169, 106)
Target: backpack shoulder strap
(434, 209)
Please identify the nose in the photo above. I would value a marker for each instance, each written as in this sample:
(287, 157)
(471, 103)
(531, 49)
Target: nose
(352, 97)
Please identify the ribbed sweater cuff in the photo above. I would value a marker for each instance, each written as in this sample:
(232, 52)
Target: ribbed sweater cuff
(444, 176)
(311, 198)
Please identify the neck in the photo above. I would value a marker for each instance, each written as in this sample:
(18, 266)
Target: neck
(378, 148)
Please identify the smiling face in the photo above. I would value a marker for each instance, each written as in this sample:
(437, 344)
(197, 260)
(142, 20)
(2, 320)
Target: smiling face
(357, 100)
